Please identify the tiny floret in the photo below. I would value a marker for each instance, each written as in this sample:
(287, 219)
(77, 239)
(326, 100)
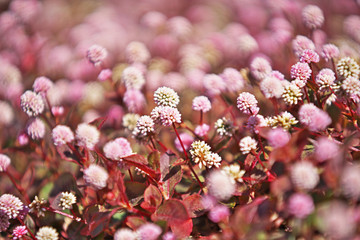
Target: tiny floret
(87, 135)
(144, 127)
(32, 103)
(47, 233)
(309, 56)
(19, 232)
(96, 176)
(169, 115)
(165, 96)
(224, 127)
(348, 67)
(292, 94)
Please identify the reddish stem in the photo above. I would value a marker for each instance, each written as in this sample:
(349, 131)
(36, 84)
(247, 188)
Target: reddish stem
(18, 187)
(201, 117)
(65, 214)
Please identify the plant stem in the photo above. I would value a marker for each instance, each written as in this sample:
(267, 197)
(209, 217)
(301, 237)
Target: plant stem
(65, 214)
(28, 229)
(18, 187)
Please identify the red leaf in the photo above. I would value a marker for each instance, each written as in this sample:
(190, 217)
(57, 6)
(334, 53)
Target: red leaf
(168, 186)
(172, 211)
(152, 198)
(134, 222)
(182, 230)
(140, 162)
(194, 205)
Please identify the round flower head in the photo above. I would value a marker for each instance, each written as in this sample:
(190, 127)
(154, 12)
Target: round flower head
(149, 231)
(4, 162)
(4, 221)
(42, 84)
(37, 206)
(326, 149)
(350, 181)
(233, 79)
(165, 96)
(260, 68)
(169, 236)
(96, 54)
(32, 103)
(11, 205)
(246, 45)
(351, 26)
(125, 234)
(7, 114)
(47, 233)
(247, 144)
(292, 94)
(304, 175)
(199, 151)
(284, 120)
(62, 135)
(57, 110)
(202, 130)
(278, 75)
(186, 140)
(87, 135)
(348, 67)
(301, 43)
(96, 176)
(309, 56)
(300, 205)
(144, 127)
(133, 78)
(255, 122)
(19, 232)
(301, 71)
(129, 120)
(136, 52)
(214, 84)
(312, 16)
(36, 129)
(234, 172)
(134, 100)
(351, 86)
(271, 87)
(224, 127)
(314, 118)
(325, 78)
(153, 19)
(219, 213)
(247, 103)
(278, 137)
(104, 75)
(330, 51)
(220, 185)
(67, 199)
(169, 115)
(201, 103)
(117, 149)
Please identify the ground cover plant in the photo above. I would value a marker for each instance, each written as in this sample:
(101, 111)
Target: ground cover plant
(160, 119)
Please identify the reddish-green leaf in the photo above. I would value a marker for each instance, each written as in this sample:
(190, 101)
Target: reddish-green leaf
(152, 198)
(194, 205)
(168, 186)
(173, 211)
(139, 161)
(182, 230)
(134, 222)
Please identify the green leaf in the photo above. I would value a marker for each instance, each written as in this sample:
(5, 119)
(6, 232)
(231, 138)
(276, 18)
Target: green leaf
(45, 191)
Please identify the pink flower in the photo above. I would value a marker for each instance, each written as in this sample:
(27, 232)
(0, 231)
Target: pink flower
(313, 16)
(247, 103)
(117, 149)
(4, 221)
(32, 103)
(201, 103)
(61, 135)
(301, 71)
(19, 232)
(260, 68)
(309, 56)
(314, 118)
(23, 139)
(42, 84)
(278, 137)
(325, 78)
(96, 54)
(300, 205)
(57, 111)
(186, 139)
(233, 79)
(219, 213)
(202, 130)
(301, 43)
(36, 129)
(153, 19)
(96, 176)
(11, 205)
(137, 52)
(87, 135)
(304, 175)
(214, 84)
(330, 51)
(169, 115)
(104, 75)
(220, 185)
(4, 162)
(271, 87)
(134, 100)
(149, 231)
(326, 149)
